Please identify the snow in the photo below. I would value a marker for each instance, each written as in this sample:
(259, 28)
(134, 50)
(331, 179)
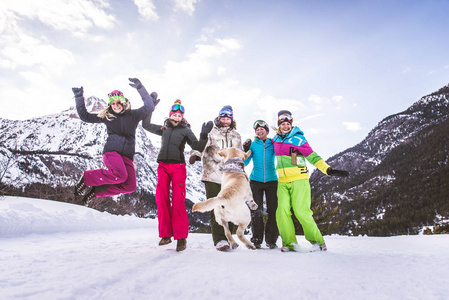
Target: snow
(54, 250)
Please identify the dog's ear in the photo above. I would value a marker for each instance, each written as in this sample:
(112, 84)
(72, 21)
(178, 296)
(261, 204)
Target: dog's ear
(247, 154)
(221, 152)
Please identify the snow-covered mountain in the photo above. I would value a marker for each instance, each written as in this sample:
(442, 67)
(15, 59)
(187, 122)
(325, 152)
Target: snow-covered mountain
(398, 173)
(55, 150)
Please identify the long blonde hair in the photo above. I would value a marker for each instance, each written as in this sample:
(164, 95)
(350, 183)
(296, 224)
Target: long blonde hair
(109, 114)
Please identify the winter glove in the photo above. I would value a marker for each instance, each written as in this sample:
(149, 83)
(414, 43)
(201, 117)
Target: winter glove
(247, 145)
(194, 159)
(339, 173)
(205, 129)
(155, 99)
(78, 92)
(135, 83)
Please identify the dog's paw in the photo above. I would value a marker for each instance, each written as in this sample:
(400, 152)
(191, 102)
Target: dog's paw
(252, 247)
(234, 246)
(253, 205)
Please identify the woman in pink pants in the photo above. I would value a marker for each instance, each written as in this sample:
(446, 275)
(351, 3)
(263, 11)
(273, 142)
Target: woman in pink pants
(172, 215)
(121, 122)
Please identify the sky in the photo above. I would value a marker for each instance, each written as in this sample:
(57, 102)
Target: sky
(339, 66)
(55, 250)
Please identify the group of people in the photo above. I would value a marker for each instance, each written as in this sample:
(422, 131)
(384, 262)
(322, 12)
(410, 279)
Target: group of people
(279, 168)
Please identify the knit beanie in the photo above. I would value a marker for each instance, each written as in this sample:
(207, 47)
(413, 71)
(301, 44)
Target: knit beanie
(116, 95)
(287, 117)
(226, 112)
(177, 108)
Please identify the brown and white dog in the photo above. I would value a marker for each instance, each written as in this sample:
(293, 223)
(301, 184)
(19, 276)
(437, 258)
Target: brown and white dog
(230, 204)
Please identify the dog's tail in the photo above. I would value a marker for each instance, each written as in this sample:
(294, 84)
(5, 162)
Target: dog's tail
(207, 205)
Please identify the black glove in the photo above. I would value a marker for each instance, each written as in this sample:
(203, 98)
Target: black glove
(247, 145)
(205, 129)
(340, 173)
(135, 83)
(78, 92)
(155, 99)
(194, 159)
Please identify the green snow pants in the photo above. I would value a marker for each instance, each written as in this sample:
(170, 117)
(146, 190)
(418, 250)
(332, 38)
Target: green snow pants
(296, 194)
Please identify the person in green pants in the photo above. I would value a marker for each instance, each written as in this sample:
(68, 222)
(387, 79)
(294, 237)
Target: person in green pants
(292, 150)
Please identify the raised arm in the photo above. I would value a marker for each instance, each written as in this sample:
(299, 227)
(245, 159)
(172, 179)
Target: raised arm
(81, 107)
(149, 101)
(195, 154)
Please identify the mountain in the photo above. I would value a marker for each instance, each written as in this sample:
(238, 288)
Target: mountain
(47, 155)
(398, 179)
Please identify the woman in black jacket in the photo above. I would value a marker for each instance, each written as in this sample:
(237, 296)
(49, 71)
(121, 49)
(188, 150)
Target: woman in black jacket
(172, 217)
(118, 152)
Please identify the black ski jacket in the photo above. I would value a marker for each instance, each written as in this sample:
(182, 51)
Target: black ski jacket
(174, 139)
(121, 130)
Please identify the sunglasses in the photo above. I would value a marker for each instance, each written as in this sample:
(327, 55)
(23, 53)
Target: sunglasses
(285, 118)
(259, 123)
(225, 113)
(177, 107)
(115, 93)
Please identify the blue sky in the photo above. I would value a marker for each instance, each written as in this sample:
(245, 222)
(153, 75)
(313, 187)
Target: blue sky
(339, 66)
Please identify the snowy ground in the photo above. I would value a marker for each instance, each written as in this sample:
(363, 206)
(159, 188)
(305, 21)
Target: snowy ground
(53, 250)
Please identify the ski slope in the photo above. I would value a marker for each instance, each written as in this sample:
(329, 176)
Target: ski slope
(54, 250)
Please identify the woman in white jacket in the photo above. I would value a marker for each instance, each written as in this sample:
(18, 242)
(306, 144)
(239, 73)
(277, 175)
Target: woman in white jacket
(222, 135)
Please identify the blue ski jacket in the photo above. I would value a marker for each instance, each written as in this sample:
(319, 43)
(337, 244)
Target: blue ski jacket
(262, 154)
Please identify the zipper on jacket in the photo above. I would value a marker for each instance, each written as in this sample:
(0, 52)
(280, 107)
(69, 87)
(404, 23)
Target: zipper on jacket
(169, 138)
(264, 170)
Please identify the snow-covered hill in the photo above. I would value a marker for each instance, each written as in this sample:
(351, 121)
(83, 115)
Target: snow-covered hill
(53, 250)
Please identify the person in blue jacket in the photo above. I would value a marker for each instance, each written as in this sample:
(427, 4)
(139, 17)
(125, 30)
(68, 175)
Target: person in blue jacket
(263, 179)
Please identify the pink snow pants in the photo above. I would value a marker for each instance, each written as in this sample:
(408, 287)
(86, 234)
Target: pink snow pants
(172, 217)
(120, 175)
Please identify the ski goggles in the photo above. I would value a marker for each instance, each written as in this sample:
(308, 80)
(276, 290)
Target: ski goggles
(259, 123)
(177, 107)
(116, 95)
(285, 118)
(225, 113)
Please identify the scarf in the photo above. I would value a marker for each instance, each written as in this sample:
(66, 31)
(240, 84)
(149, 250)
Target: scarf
(235, 165)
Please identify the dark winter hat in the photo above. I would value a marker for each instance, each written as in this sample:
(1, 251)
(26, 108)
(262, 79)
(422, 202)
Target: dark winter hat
(177, 107)
(284, 116)
(261, 123)
(226, 112)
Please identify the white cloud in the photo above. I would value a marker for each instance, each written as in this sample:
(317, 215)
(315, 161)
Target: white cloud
(187, 6)
(202, 63)
(147, 9)
(318, 101)
(311, 117)
(352, 126)
(315, 131)
(75, 16)
(337, 99)
(321, 103)
(22, 50)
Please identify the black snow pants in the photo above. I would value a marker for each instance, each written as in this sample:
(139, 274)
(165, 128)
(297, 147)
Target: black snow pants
(257, 223)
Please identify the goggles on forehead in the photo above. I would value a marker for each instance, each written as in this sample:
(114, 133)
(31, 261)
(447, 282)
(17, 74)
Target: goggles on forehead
(259, 123)
(225, 113)
(115, 93)
(116, 96)
(285, 118)
(177, 107)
